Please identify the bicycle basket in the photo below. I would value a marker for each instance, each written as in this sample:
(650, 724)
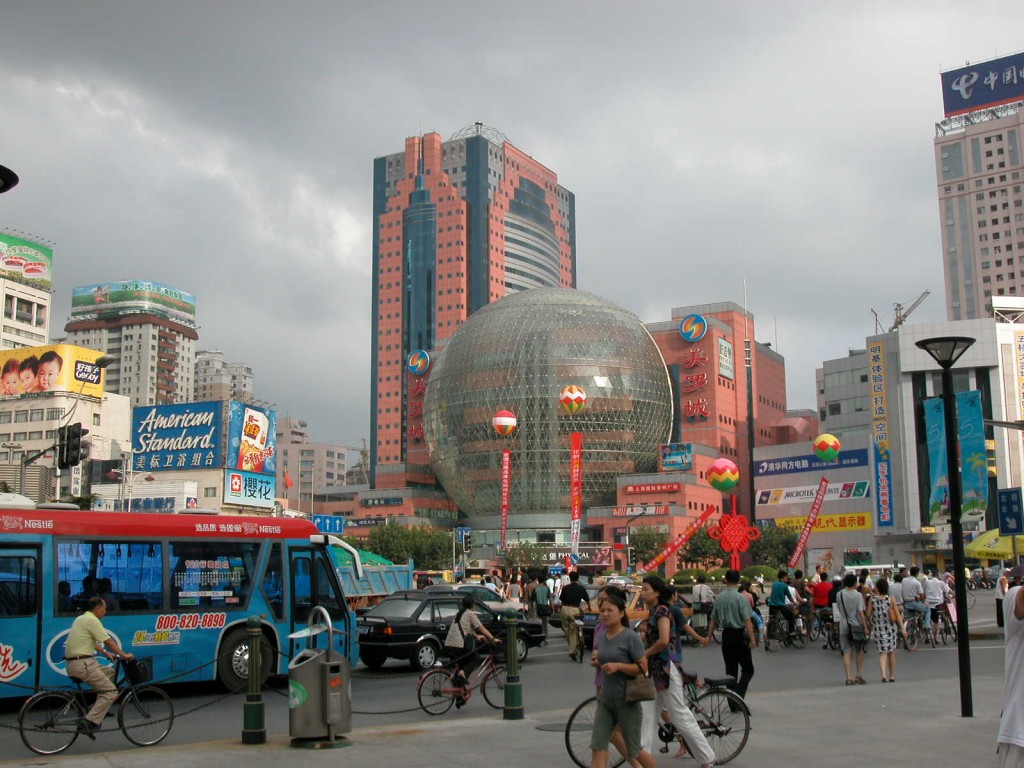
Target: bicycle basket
(139, 670)
(498, 652)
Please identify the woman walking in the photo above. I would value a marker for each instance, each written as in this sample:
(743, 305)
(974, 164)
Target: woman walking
(599, 630)
(620, 657)
(885, 629)
(852, 627)
(668, 679)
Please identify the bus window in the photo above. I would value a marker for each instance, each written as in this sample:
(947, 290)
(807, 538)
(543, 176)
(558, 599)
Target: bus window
(302, 596)
(273, 581)
(129, 575)
(17, 586)
(326, 592)
(208, 574)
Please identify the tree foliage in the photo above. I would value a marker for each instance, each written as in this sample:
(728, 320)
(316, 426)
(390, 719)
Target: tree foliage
(429, 548)
(525, 554)
(647, 542)
(702, 550)
(774, 547)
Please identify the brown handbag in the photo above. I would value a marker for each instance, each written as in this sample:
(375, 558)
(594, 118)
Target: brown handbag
(640, 689)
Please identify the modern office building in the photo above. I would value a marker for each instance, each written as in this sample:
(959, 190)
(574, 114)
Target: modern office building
(457, 224)
(217, 379)
(980, 174)
(149, 328)
(26, 267)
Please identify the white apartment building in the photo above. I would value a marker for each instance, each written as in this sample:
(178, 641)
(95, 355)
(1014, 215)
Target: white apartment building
(217, 379)
(309, 466)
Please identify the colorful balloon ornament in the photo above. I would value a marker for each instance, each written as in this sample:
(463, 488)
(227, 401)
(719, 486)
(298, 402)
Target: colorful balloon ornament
(573, 399)
(723, 475)
(826, 447)
(504, 423)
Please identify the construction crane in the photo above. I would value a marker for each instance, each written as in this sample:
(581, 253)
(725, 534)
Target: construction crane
(900, 314)
(363, 467)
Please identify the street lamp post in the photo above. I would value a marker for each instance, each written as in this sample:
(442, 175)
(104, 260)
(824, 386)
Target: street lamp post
(628, 522)
(946, 351)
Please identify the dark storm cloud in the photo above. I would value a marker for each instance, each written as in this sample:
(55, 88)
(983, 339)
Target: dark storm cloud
(226, 149)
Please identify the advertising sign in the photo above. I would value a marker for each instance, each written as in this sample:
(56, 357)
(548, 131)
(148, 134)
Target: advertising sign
(801, 543)
(938, 471)
(248, 488)
(880, 433)
(640, 510)
(632, 490)
(178, 436)
(988, 84)
(138, 295)
(26, 262)
(677, 457)
(576, 487)
(726, 360)
(53, 368)
(555, 555)
(857, 457)
(252, 438)
(973, 460)
(805, 494)
(506, 489)
(853, 521)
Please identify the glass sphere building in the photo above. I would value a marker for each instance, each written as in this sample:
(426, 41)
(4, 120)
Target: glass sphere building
(518, 354)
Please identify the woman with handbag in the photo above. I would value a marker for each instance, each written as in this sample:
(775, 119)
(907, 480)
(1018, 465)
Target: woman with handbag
(886, 626)
(623, 666)
(853, 627)
(668, 678)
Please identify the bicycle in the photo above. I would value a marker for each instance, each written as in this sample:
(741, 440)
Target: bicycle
(722, 715)
(914, 624)
(946, 628)
(438, 690)
(777, 631)
(48, 721)
(823, 625)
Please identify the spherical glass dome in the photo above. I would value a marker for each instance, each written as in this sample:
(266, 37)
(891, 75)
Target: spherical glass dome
(518, 354)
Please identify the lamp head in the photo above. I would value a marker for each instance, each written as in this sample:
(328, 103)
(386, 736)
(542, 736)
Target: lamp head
(104, 360)
(946, 350)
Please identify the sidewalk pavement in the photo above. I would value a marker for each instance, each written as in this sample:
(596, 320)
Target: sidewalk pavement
(904, 723)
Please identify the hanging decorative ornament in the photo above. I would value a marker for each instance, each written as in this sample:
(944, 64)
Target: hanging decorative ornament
(573, 399)
(826, 447)
(723, 475)
(504, 423)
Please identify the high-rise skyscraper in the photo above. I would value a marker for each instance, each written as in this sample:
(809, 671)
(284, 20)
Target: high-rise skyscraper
(979, 170)
(149, 328)
(457, 224)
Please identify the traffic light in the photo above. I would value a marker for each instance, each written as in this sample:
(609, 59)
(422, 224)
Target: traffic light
(630, 557)
(71, 451)
(467, 541)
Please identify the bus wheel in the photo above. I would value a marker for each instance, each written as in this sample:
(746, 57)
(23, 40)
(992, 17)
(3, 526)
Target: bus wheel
(233, 664)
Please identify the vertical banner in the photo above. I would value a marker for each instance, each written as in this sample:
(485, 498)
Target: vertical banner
(506, 486)
(683, 537)
(576, 487)
(880, 434)
(973, 458)
(938, 469)
(1018, 349)
(801, 543)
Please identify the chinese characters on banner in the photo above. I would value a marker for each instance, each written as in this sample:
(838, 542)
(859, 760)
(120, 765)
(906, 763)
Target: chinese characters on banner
(506, 487)
(576, 487)
(694, 408)
(1018, 344)
(684, 537)
(880, 433)
(417, 388)
(801, 543)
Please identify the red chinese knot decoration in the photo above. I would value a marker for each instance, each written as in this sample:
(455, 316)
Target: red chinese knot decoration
(734, 532)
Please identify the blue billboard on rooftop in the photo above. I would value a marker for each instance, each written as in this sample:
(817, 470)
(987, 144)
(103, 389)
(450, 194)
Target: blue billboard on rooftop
(983, 85)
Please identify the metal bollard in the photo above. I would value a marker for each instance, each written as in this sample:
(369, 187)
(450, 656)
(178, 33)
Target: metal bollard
(254, 729)
(513, 686)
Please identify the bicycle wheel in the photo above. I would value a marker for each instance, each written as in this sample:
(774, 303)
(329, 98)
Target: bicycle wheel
(814, 629)
(145, 716)
(913, 636)
(577, 736)
(717, 635)
(493, 686)
(798, 640)
(725, 721)
(769, 634)
(436, 691)
(48, 722)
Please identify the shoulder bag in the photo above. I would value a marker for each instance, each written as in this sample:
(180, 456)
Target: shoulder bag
(894, 612)
(640, 689)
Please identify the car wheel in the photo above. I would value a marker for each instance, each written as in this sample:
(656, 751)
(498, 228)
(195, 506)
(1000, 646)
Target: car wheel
(373, 658)
(425, 656)
(522, 649)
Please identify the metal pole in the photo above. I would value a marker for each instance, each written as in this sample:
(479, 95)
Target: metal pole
(963, 649)
(254, 729)
(514, 709)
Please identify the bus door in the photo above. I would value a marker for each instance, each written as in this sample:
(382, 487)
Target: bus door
(315, 582)
(20, 620)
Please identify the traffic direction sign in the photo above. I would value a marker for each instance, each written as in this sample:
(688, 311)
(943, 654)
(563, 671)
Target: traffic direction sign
(1011, 511)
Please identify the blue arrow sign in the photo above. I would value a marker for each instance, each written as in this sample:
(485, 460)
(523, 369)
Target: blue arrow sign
(1011, 511)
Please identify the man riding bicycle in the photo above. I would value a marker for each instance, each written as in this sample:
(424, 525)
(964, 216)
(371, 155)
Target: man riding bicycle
(913, 593)
(780, 601)
(86, 636)
(573, 596)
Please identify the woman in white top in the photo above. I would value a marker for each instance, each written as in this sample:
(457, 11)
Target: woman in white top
(1002, 586)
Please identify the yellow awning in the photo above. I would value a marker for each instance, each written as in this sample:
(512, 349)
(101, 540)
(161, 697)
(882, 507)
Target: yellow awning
(991, 546)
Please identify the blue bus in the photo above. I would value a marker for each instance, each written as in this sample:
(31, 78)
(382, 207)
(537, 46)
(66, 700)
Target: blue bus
(179, 589)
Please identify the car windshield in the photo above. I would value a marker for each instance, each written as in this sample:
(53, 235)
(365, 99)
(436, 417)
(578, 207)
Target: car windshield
(394, 609)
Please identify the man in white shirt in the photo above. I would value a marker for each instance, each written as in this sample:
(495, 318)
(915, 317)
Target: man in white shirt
(936, 595)
(490, 584)
(1011, 725)
(913, 593)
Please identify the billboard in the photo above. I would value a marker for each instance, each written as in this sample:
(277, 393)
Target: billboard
(983, 85)
(134, 295)
(252, 438)
(677, 456)
(177, 437)
(726, 360)
(857, 457)
(53, 368)
(248, 488)
(804, 494)
(25, 262)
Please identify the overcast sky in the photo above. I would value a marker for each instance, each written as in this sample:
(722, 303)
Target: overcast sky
(226, 149)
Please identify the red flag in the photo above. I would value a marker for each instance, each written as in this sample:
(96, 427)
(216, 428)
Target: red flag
(287, 480)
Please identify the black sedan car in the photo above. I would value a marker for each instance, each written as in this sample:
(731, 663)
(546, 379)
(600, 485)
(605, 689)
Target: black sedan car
(412, 624)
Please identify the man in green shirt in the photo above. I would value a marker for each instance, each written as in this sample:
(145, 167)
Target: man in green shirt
(86, 637)
(732, 612)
